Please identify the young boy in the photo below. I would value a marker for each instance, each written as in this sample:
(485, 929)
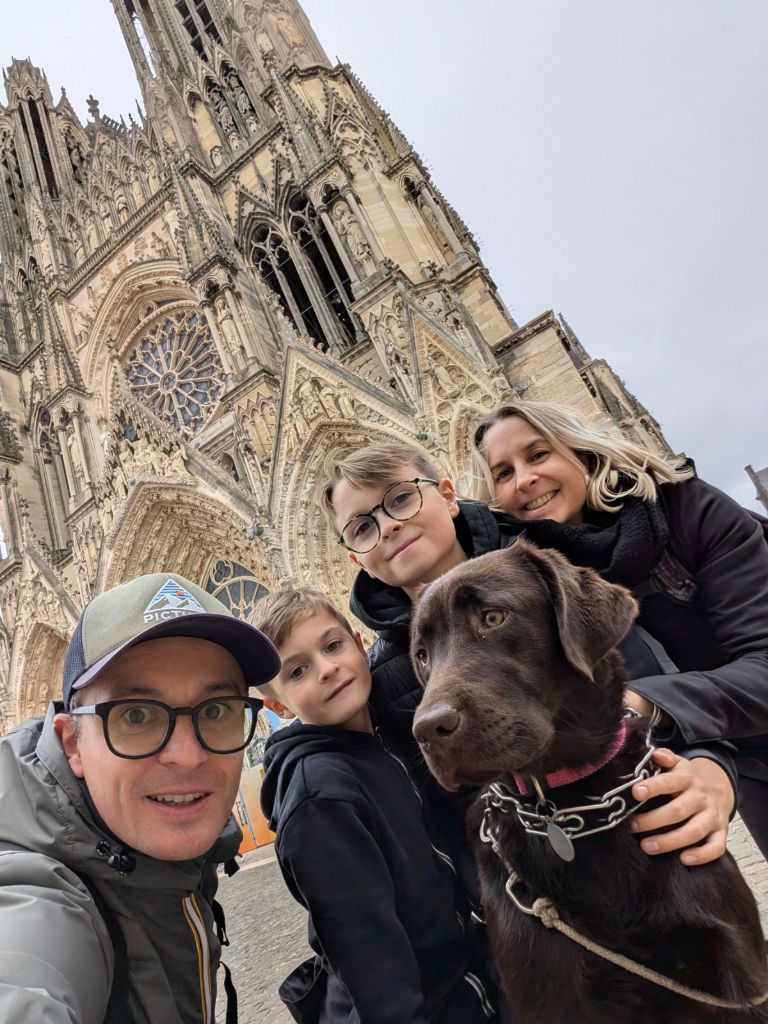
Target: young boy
(387, 919)
(402, 524)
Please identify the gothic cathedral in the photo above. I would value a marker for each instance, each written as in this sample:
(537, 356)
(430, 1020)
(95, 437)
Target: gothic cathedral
(202, 309)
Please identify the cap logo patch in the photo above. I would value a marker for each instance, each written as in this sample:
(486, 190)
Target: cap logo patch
(169, 602)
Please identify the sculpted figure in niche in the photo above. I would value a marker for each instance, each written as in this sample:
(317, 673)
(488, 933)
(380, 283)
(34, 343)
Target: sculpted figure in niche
(91, 232)
(346, 405)
(242, 102)
(328, 399)
(75, 458)
(309, 400)
(134, 184)
(433, 224)
(400, 373)
(153, 174)
(81, 324)
(348, 227)
(217, 156)
(75, 158)
(226, 323)
(285, 23)
(104, 213)
(121, 203)
(159, 246)
(445, 384)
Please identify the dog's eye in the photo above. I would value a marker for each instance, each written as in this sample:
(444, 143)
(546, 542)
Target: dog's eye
(421, 656)
(493, 617)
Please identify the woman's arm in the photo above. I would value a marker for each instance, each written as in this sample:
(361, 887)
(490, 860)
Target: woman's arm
(726, 553)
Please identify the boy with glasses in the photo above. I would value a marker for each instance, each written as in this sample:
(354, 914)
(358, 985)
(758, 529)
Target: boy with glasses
(401, 523)
(114, 807)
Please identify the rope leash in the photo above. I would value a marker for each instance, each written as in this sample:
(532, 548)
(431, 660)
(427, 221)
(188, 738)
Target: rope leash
(547, 913)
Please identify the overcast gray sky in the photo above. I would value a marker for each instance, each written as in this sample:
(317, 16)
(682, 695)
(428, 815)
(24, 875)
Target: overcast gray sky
(610, 157)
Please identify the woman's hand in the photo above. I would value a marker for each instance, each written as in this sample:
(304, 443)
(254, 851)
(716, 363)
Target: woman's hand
(701, 803)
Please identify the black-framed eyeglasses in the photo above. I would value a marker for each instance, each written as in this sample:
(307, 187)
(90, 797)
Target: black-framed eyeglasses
(136, 727)
(401, 501)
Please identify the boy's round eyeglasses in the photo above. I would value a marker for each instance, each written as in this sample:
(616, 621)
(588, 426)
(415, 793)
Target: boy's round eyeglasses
(401, 501)
(135, 728)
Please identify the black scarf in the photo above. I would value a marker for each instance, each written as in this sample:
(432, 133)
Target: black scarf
(622, 546)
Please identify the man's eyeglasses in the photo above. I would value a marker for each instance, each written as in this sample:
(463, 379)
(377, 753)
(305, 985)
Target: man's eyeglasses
(135, 727)
(401, 501)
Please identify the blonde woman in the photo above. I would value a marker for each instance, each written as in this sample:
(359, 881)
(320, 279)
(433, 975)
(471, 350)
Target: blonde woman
(697, 561)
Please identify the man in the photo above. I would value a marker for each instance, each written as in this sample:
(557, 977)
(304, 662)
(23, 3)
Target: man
(113, 809)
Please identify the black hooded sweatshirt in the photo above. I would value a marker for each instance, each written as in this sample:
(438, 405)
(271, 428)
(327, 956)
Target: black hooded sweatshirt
(386, 913)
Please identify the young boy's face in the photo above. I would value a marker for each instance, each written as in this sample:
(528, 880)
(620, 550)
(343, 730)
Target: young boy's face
(413, 552)
(324, 679)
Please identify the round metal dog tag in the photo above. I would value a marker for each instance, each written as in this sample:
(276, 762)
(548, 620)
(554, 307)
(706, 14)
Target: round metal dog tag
(560, 842)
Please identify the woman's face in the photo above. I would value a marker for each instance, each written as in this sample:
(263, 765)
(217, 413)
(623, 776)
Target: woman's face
(530, 479)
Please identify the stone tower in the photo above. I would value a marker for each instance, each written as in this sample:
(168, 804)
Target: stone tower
(201, 309)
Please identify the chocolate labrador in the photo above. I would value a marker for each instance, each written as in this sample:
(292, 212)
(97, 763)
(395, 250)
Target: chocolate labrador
(523, 697)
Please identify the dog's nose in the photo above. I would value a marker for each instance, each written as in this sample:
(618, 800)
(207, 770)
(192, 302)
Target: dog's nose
(436, 723)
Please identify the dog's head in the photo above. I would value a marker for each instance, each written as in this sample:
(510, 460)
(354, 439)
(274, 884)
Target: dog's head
(506, 647)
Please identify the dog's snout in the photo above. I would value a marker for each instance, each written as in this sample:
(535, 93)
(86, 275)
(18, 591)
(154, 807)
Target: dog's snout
(436, 723)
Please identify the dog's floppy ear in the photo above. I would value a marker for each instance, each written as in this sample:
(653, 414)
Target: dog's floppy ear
(592, 616)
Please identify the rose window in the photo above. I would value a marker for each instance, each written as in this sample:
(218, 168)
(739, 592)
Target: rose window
(175, 370)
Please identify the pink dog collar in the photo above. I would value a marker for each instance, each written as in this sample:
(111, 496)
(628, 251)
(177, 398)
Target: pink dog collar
(565, 776)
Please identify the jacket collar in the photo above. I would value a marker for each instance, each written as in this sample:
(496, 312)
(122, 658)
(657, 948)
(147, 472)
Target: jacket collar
(388, 609)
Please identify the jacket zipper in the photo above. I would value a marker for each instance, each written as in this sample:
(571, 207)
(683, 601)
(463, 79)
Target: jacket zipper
(474, 982)
(438, 853)
(196, 924)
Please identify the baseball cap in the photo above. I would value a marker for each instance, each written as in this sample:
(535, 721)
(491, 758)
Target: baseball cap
(158, 605)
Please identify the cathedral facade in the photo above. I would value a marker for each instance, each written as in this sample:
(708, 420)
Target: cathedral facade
(202, 309)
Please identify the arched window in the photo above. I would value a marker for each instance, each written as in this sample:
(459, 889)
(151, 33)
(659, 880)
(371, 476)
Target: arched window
(314, 286)
(271, 258)
(235, 586)
(12, 180)
(175, 370)
(329, 278)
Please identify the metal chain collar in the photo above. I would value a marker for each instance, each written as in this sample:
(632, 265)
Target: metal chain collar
(562, 825)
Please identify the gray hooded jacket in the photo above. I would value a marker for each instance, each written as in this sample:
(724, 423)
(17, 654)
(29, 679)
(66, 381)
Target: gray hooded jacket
(56, 957)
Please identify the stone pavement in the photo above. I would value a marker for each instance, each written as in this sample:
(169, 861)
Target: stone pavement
(268, 930)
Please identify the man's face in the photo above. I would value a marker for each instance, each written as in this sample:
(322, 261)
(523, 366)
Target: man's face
(413, 552)
(181, 672)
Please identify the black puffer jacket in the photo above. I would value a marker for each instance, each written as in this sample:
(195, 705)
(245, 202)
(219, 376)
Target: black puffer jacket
(356, 848)
(719, 641)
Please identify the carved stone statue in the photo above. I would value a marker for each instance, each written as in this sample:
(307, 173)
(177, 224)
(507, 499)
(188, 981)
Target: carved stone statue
(445, 385)
(348, 227)
(159, 246)
(346, 405)
(433, 223)
(328, 399)
(285, 23)
(121, 203)
(229, 334)
(76, 460)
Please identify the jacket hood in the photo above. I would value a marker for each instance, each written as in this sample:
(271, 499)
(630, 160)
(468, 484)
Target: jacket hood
(385, 608)
(43, 807)
(284, 753)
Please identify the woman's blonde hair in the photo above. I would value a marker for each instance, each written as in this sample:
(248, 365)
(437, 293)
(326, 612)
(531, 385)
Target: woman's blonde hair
(616, 468)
